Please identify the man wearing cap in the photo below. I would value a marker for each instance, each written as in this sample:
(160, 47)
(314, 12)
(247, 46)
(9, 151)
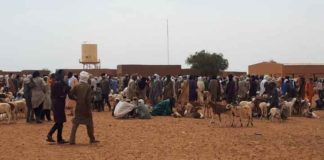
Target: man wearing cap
(83, 115)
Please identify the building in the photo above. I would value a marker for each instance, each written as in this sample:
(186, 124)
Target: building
(94, 72)
(147, 70)
(162, 70)
(308, 70)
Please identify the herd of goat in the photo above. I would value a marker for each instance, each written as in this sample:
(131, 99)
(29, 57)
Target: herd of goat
(257, 107)
(204, 108)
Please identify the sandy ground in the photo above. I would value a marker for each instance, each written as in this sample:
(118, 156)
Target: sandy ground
(168, 138)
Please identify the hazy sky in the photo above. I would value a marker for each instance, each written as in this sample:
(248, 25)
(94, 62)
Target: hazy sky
(36, 34)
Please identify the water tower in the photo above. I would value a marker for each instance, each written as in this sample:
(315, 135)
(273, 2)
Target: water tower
(89, 57)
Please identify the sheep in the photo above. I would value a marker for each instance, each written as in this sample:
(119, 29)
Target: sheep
(264, 109)
(8, 109)
(251, 104)
(20, 107)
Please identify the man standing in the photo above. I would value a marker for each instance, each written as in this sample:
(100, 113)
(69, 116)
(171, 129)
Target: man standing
(105, 90)
(230, 90)
(83, 115)
(213, 88)
(59, 91)
(27, 96)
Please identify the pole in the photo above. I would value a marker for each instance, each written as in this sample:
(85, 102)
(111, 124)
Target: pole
(168, 50)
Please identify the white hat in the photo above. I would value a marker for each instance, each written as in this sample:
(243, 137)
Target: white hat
(84, 76)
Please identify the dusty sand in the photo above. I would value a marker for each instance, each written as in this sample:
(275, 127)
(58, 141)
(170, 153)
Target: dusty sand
(168, 138)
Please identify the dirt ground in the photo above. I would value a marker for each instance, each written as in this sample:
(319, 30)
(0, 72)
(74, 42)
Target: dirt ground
(168, 138)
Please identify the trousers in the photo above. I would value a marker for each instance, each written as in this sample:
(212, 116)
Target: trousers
(59, 127)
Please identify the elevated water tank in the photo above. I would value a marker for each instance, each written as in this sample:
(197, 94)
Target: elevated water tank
(89, 53)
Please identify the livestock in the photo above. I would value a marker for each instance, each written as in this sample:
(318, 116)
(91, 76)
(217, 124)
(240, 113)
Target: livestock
(207, 108)
(264, 109)
(257, 100)
(300, 106)
(278, 113)
(289, 105)
(192, 110)
(20, 107)
(8, 109)
(188, 110)
(220, 108)
(244, 111)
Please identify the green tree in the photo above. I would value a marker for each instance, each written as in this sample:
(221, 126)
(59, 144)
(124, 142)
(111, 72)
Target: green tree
(207, 63)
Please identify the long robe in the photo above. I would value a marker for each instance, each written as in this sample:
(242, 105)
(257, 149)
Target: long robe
(38, 92)
(47, 102)
(59, 91)
(192, 90)
(213, 89)
(309, 91)
(82, 94)
(168, 90)
(184, 95)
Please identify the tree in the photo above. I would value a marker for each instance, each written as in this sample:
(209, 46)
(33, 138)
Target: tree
(207, 63)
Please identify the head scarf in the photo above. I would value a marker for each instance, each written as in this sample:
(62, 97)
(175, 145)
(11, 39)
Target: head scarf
(84, 77)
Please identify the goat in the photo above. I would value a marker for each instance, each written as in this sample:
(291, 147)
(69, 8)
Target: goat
(219, 109)
(290, 105)
(207, 108)
(244, 111)
(277, 113)
(300, 106)
(192, 110)
(233, 112)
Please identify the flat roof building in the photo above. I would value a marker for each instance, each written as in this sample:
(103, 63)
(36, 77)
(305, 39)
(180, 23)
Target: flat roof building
(309, 70)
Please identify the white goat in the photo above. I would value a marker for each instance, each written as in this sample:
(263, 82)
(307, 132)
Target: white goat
(276, 113)
(289, 105)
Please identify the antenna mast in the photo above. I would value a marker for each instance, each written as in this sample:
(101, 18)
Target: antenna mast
(168, 50)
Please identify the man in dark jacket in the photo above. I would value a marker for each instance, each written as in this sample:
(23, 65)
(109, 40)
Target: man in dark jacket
(83, 115)
(105, 90)
(59, 91)
(253, 87)
(230, 90)
(192, 89)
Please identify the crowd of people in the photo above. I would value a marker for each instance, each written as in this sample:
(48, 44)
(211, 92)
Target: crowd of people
(134, 94)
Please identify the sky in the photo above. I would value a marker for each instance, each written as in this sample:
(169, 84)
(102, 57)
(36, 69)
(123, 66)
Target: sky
(39, 34)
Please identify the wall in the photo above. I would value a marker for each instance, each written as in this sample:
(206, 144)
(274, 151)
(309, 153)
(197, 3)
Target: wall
(94, 72)
(263, 68)
(147, 70)
(308, 71)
